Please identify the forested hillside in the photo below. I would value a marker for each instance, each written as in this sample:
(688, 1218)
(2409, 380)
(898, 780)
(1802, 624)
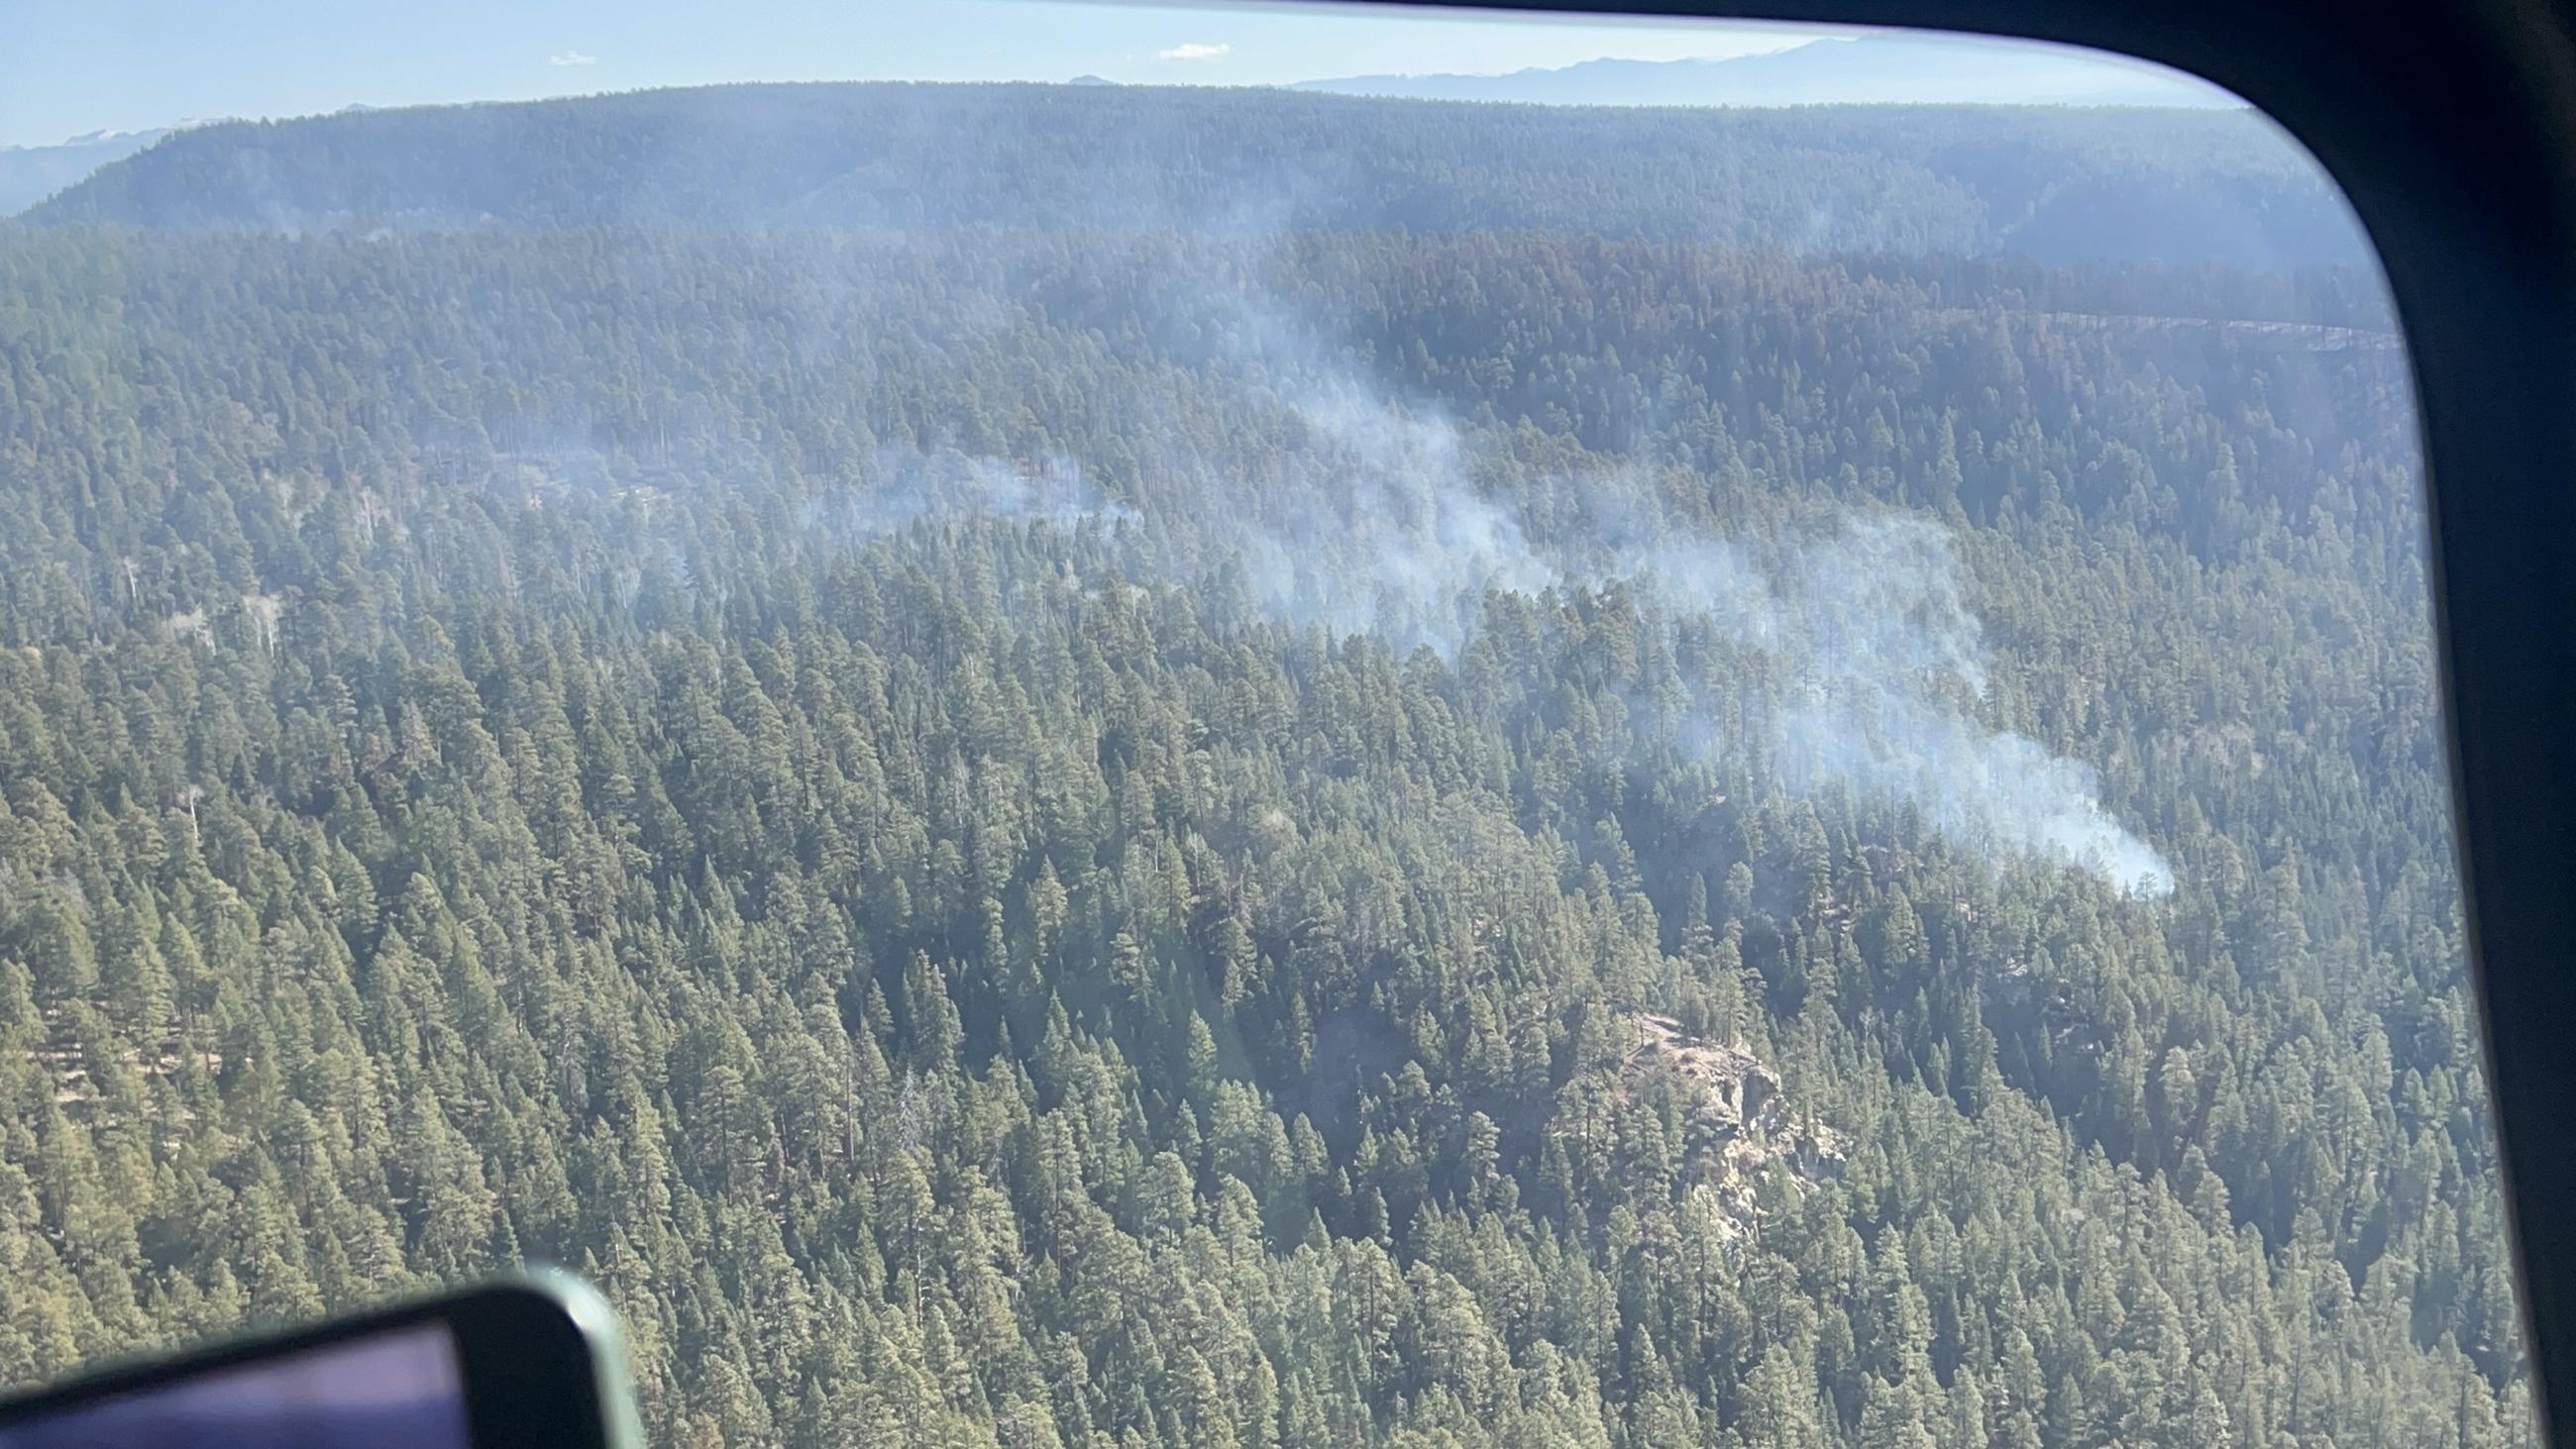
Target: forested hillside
(2065, 186)
(1057, 835)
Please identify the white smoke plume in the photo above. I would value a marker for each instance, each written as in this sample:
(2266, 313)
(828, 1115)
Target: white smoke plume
(910, 486)
(1396, 542)
(1379, 527)
(1868, 617)
(1889, 664)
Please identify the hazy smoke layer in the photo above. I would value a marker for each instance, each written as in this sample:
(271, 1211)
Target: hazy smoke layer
(1867, 618)
(909, 487)
(1399, 543)
(1888, 661)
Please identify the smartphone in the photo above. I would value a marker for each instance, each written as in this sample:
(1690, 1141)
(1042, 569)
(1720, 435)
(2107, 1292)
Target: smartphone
(532, 1358)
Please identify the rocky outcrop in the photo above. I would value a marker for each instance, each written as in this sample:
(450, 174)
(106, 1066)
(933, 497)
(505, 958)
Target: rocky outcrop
(1741, 1122)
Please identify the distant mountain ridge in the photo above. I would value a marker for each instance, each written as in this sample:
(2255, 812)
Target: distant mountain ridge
(2065, 186)
(1881, 69)
(29, 174)
(1901, 69)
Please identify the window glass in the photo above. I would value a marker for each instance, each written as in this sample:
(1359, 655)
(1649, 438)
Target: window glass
(1062, 725)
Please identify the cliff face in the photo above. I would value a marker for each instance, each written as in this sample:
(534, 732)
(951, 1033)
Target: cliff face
(1740, 1125)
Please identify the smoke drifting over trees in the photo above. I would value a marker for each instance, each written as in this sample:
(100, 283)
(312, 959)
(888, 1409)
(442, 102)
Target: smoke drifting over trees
(1389, 534)
(1553, 793)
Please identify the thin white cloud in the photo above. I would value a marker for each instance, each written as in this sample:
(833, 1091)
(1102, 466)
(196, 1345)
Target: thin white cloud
(1196, 50)
(571, 58)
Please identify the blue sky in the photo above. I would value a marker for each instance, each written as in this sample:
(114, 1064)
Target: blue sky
(73, 66)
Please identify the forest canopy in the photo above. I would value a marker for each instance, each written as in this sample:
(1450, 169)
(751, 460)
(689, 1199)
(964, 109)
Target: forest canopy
(1480, 813)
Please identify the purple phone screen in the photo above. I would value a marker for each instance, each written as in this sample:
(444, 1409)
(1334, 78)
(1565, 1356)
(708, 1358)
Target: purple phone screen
(400, 1389)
